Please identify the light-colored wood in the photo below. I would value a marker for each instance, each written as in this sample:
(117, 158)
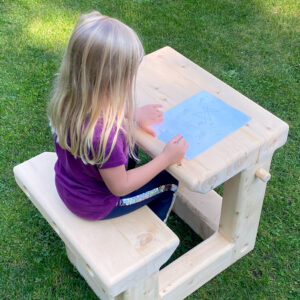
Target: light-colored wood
(168, 78)
(88, 275)
(110, 254)
(200, 211)
(194, 268)
(145, 290)
(241, 208)
(262, 174)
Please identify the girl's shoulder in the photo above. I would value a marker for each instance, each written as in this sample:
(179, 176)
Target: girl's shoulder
(98, 131)
(118, 150)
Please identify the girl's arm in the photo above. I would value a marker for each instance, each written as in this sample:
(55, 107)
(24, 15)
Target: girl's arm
(122, 182)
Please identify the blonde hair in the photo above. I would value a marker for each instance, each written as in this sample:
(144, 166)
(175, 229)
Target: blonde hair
(96, 82)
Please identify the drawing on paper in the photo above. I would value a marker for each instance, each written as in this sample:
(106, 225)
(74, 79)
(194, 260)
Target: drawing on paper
(203, 120)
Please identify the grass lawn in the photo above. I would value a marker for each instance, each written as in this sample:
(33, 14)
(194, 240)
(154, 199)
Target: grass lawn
(252, 45)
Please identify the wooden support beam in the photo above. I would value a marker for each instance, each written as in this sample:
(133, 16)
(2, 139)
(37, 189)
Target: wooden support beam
(194, 268)
(87, 273)
(200, 211)
(146, 289)
(241, 208)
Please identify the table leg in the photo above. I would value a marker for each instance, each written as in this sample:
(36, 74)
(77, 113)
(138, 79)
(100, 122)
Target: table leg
(240, 213)
(241, 208)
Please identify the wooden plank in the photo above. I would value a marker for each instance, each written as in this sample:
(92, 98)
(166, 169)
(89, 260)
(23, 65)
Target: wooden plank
(242, 203)
(146, 289)
(212, 167)
(200, 211)
(118, 252)
(88, 275)
(168, 78)
(195, 268)
(241, 207)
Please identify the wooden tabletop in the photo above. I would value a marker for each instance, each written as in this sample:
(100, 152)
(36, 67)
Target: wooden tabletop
(168, 78)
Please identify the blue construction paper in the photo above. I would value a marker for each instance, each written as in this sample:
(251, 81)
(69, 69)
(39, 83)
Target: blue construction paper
(203, 120)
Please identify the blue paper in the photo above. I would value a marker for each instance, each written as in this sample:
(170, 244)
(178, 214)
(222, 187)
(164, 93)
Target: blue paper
(203, 120)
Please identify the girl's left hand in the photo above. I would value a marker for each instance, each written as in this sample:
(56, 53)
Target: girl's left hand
(148, 115)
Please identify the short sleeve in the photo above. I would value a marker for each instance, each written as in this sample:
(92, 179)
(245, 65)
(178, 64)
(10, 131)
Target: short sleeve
(118, 155)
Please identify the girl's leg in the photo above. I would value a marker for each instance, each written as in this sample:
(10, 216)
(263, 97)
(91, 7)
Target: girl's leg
(158, 194)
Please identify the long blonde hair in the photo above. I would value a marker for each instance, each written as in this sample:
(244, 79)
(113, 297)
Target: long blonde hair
(96, 81)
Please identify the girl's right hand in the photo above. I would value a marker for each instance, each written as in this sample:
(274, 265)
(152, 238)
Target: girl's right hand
(175, 149)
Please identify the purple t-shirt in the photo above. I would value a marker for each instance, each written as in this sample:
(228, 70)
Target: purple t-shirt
(80, 185)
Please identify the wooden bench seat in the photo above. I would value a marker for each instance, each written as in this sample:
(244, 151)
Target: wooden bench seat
(119, 258)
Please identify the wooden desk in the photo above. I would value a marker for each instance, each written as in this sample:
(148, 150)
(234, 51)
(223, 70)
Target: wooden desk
(241, 161)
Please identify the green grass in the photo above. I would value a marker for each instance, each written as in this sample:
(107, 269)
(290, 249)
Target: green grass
(252, 45)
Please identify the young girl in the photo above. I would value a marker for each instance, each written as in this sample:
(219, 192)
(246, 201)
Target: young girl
(93, 115)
